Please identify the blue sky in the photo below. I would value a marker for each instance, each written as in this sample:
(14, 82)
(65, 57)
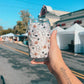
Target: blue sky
(9, 9)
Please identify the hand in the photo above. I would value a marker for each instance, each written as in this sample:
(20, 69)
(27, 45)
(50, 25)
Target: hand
(55, 56)
(57, 66)
(55, 59)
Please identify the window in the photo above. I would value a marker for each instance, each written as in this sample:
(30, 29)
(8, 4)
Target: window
(78, 21)
(63, 24)
(58, 25)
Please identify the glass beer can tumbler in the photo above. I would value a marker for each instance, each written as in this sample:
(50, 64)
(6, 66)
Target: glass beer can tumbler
(39, 38)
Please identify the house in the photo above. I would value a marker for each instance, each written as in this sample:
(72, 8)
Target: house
(69, 19)
(53, 15)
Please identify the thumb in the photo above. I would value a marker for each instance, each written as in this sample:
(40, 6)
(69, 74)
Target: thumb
(53, 40)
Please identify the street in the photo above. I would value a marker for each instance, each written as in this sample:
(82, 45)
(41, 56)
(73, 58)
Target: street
(16, 68)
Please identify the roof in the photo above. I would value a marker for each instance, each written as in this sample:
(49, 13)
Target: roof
(58, 29)
(55, 12)
(9, 35)
(26, 34)
(58, 13)
(75, 27)
(72, 29)
(49, 8)
(73, 12)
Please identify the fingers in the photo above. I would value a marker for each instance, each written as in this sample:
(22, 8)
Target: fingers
(53, 40)
(34, 62)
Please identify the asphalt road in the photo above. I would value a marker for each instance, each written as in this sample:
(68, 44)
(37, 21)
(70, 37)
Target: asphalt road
(16, 68)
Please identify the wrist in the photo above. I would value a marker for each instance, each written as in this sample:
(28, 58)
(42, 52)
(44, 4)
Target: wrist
(64, 75)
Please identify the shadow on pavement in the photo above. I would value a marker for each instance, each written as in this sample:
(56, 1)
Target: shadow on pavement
(22, 62)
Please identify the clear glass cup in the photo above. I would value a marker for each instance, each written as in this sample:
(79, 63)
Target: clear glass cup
(39, 38)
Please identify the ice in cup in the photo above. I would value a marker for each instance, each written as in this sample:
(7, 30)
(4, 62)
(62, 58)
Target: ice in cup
(39, 38)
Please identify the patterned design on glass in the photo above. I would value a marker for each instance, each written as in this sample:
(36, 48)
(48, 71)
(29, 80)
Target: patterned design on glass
(39, 39)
